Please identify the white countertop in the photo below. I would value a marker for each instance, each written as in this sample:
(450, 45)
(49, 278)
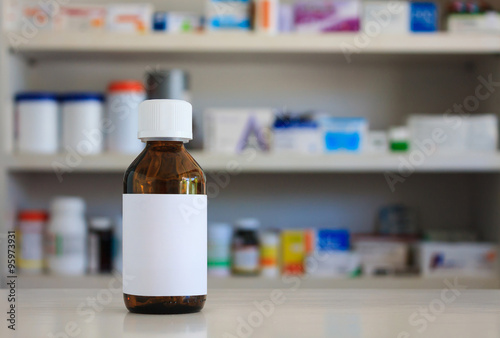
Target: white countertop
(308, 313)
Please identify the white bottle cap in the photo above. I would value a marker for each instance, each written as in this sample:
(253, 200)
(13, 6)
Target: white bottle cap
(68, 204)
(159, 119)
(247, 224)
(100, 223)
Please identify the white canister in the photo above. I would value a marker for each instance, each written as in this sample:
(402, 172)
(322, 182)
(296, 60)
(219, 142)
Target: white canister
(82, 123)
(66, 237)
(122, 109)
(37, 117)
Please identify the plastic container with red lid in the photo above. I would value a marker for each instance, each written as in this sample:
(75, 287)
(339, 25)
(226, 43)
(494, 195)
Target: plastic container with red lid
(31, 228)
(126, 86)
(122, 105)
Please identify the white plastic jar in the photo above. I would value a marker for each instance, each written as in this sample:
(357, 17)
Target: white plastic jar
(82, 123)
(122, 110)
(219, 249)
(66, 237)
(38, 123)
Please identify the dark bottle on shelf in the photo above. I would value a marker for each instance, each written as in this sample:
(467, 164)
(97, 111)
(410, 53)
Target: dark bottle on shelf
(164, 216)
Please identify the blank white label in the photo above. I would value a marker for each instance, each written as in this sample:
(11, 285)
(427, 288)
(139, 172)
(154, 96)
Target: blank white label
(164, 245)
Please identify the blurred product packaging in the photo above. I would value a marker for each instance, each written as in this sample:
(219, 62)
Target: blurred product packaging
(424, 17)
(228, 15)
(219, 249)
(245, 259)
(31, 229)
(383, 255)
(439, 259)
(269, 247)
(296, 134)
(293, 252)
(390, 17)
(122, 111)
(129, 18)
(66, 236)
(100, 245)
(376, 142)
(328, 254)
(453, 133)
(267, 16)
(343, 133)
(327, 16)
(37, 117)
(80, 18)
(232, 130)
(176, 22)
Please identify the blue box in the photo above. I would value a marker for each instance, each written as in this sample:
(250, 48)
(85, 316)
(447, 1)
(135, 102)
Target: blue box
(332, 240)
(229, 15)
(424, 17)
(343, 133)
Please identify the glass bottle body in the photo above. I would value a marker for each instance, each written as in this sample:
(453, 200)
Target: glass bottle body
(164, 167)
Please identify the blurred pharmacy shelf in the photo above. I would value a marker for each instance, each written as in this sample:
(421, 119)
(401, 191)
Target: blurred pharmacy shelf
(103, 281)
(268, 163)
(434, 43)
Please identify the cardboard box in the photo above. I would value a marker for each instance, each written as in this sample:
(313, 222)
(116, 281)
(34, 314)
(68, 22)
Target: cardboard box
(327, 16)
(129, 18)
(228, 15)
(382, 256)
(438, 259)
(424, 17)
(390, 17)
(232, 130)
(474, 23)
(80, 18)
(343, 133)
(453, 133)
(293, 251)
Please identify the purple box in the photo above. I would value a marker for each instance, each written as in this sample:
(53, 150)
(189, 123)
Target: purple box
(327, 16)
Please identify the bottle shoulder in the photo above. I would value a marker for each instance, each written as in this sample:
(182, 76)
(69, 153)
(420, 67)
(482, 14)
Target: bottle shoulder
(158, 171)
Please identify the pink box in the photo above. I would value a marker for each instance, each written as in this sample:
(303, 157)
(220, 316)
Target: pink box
(327, 16)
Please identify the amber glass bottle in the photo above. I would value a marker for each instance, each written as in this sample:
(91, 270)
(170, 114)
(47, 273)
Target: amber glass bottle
(164, 216)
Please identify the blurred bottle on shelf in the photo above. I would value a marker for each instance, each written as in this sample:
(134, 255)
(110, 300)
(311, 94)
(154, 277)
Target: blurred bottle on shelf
(66, 236)
(246, 247)
(269, 254)
(173, 84)
(37, 123)
(30, 228)
(82, 127)
(122, 109)
(219, 249)
(100, 242)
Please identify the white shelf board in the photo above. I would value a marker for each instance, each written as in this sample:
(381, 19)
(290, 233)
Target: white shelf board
(336, 43)
(269, 163)
(407, 282)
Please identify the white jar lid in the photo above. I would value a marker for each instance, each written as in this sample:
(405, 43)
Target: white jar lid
(248, 224)
(100, 223)
(68, 204)
(220, 230)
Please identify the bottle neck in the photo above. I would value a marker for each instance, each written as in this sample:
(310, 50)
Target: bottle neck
(165, 145)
